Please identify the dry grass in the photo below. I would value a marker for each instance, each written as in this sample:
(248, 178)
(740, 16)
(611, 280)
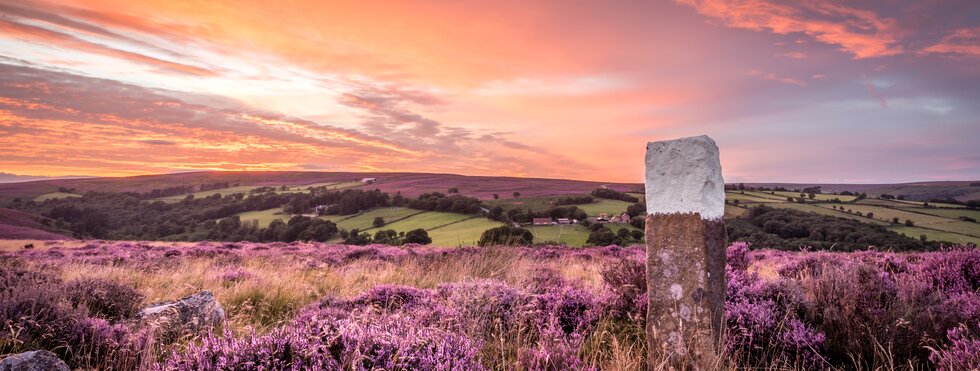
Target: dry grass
(276, 287)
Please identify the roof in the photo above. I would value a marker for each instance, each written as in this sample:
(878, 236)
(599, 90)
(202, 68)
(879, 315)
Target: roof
(541, 220)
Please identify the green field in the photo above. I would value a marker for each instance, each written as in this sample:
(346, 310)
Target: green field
(222, 191)
(427, 220)
(602, 205)
(749, 198)
(934, 235)
(54, 195)
(328, 185)
(734, 212)
(766, 195)
(825, 209)
(464, 233)
(948, 213)
(886, 214)
(568, 234)
(816, 196)
(245, 190)
(264, 217)
(534, 204)
(365, 220)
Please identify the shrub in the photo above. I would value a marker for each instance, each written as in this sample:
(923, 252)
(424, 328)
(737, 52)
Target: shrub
(104, 298)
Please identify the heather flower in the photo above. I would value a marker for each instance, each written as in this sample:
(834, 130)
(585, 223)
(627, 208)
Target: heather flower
(963, 352)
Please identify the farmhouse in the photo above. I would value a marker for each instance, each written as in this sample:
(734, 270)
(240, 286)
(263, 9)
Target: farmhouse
(369, 180)
(542, 221)
(602, 218)
(564, 221)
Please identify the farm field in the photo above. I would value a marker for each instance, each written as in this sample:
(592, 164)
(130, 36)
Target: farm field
(327, 185)
(947, 213)
(817, 196)
(749, 198)
(365, 220)
(54, 195)
(247, 188)
(568, 234)
(222, 191)
(886, 214)
(525, 203)
(602, 205)
(826, 210)
(733, 212)
(264, 217)
(935, 235)
(426, 220)
(464, 233)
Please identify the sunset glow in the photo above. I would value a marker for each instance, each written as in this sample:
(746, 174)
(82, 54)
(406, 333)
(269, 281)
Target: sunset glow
(808, 91)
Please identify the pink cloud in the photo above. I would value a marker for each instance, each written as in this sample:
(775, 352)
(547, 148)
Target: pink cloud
(858, 32)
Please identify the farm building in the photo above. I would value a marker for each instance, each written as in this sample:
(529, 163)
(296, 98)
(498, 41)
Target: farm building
(369, 180)
(564, 221)
(602, 218)
(542, 221)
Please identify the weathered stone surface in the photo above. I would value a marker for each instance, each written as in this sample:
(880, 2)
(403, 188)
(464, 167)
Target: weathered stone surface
(686, 242)
(38, 360)
(684, 176)
(191, 314)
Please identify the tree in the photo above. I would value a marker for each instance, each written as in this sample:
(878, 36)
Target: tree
(922, 238)
(871, 215)
(506, 235)
(387, 237)
(378, 221)
(418, 236)
(496, 196)
(604, 237)
(517, 194)
(636, 209)
(811, 195)
(639, 222)
(735, 202)
(894, 220)
(453, 190)
(355, 237)
(623, 233)
(909, 223)
(637, 235)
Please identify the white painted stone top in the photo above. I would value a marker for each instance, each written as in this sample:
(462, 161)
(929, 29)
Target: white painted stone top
(683, 176)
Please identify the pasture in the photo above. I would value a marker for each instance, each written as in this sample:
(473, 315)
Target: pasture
(54, 195)
(463, 233)
(264, 217)
(365, 220)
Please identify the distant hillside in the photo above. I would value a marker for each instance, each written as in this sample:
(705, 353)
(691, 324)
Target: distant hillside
(20, 225)
(918, 191)
(410, 184)
(413, 184)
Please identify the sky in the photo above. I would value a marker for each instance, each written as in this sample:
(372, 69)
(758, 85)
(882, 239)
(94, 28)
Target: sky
(798, 91)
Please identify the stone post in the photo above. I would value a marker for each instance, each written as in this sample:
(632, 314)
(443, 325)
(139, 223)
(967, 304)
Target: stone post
(686, 243)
